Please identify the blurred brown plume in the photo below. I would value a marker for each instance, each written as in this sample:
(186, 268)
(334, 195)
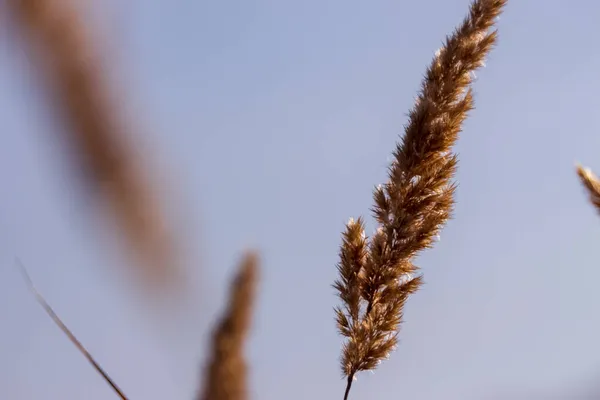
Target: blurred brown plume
(75, 75)
(225, 374)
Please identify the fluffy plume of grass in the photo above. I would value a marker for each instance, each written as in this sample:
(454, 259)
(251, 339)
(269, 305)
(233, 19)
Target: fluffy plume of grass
(48, 309)
(75, 75)
(226, 372)
(377, 274)
(592, 185)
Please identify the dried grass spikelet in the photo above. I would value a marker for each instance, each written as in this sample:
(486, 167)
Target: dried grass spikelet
(377, 274)
(226, 372)
(77, 80)
(591, 183)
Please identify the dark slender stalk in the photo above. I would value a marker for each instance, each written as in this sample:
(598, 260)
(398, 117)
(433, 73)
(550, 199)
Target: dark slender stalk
(348, 386)
(40, 299)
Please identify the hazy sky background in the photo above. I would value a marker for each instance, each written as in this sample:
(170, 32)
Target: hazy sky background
(279, 118)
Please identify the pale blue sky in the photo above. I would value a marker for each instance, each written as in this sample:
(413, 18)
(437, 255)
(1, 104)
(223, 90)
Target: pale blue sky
(279, 118)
